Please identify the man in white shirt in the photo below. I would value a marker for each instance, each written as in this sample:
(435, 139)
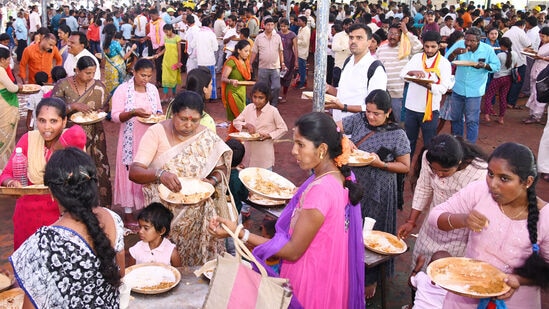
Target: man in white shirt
(532, 32)
(340, 47)
(34, 21)
(140, 31)
(77, 48)
(354, 84)
(394, 60)
(219, 27)
(230, 37)
(520, 41)
(204, 44)
(423, 98)
(192, 32)
(448, 27)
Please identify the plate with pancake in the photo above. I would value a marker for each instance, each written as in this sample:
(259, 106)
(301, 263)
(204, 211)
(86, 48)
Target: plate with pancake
(384, 243)
(468, 277)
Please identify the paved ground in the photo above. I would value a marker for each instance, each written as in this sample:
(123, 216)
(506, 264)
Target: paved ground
(491, 135)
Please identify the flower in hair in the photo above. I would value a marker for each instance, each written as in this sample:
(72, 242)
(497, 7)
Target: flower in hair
(535, 248)
(343, 158)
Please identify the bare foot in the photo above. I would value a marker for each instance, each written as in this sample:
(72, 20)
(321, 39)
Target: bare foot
(487, 117)
(500, 120)
(370, 290)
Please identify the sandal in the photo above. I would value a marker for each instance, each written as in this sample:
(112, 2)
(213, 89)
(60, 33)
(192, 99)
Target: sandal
(531, 119)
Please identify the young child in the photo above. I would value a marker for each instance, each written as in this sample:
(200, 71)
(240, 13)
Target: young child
(428, 294)
(57, 73)
(154, 226)
(268, 231)
(264, 119)
(239, 191)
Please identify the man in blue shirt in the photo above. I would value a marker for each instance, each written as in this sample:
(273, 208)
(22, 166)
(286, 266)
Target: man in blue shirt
(71, 21)
(471, 80)
(21, 34)
(55, 20)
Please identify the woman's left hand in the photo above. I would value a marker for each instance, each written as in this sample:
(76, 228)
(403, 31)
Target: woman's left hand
(264, 136)
(514, 283)
(234, 82)
(215, 227)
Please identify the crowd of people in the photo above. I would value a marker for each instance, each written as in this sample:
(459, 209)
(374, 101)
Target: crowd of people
(397, 71)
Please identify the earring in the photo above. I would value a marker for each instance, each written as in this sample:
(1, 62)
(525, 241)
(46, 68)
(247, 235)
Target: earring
(321, 156)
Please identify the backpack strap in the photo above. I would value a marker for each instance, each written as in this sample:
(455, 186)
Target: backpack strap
(371, 70)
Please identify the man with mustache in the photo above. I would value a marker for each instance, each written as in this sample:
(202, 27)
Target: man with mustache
(354, 84)
(423, 98)
(39, 57)
(470, 81)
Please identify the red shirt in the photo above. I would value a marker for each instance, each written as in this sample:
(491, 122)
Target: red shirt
(93, 32)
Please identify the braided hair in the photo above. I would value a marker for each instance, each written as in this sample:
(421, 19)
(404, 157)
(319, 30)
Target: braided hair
(72, 178)
(522, 162)
(320, 128)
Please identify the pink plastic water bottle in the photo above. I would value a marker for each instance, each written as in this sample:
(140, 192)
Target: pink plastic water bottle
(19, 166)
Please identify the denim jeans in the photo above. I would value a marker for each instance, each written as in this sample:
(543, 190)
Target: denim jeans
(514, 92)
(302, 64)
(470, 108)
(271, 77)
(396, 105)
(414, 122)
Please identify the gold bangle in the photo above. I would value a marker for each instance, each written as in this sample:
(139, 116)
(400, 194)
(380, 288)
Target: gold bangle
(450, 223)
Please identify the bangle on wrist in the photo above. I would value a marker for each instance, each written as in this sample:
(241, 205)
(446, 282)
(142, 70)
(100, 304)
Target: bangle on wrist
(385, 165)
(246, 236)
(449, 222)
(216, 181)
(411, 222)
(158, 174)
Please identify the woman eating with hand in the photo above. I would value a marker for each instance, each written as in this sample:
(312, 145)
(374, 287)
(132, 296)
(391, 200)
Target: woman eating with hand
(34, 211)
(182, 147)
(506, 224)
(319, 233)
(82, 93)
(446, 166)
(134, 98)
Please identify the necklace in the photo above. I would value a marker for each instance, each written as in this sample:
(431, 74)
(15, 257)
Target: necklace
(324, 174)
(76, 86)
(514, 217)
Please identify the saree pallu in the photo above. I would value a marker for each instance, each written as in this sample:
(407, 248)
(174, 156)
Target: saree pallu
(9, 117)
(195, 157)
(115, 71)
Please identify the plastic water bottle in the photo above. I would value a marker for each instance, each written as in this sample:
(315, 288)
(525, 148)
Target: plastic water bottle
(19, 166)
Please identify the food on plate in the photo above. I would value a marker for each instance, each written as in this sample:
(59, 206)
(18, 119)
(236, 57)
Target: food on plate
(359, 156)
(150, 278)
(268, 186)
(93, 116)
(384, 243)
(468, 276)
(31, 88)
(245, 135)
(193, 191)
(153, 118)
